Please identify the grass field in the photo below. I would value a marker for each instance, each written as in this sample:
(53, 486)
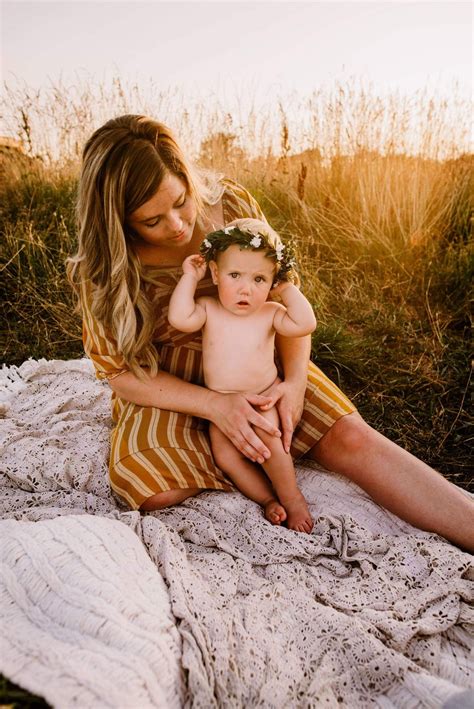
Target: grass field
(386, 258)
(383, 233)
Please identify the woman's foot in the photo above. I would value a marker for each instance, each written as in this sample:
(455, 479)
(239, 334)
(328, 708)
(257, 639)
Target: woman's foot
(273, 511)
(298, 515)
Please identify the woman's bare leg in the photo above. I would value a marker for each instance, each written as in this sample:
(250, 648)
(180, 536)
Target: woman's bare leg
(397, 479)
(168, 498)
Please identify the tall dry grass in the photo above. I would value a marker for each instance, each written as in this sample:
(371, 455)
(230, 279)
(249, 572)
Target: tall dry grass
(376, 192)
(340, 119)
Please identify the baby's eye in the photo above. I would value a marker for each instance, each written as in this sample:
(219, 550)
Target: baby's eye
(234, 274)
(260, 279)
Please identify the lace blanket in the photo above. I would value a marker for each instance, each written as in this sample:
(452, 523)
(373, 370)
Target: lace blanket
(206, 604)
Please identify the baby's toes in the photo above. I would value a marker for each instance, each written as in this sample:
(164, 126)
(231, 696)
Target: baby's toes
(274, 512)
(282, 514)
(303, 527)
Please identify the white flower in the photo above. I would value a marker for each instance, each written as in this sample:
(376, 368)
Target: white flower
(228, 229)
(279, 251)
(256, 241)
(207, 243)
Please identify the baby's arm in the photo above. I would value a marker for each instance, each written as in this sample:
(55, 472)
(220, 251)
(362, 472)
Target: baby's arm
(185, 313)
(296, 318)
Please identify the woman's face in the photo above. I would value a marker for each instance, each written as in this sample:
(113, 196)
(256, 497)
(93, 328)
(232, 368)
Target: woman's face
(168, 218)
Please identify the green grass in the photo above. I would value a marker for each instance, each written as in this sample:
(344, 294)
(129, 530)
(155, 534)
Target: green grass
(37, 226)
(394, 312)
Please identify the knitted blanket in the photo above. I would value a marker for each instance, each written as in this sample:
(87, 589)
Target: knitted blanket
(207, 604)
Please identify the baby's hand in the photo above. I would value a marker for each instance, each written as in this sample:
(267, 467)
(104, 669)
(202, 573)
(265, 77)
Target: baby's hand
(195, 265)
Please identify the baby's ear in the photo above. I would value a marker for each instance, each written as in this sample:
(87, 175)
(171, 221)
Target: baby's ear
(213, 270)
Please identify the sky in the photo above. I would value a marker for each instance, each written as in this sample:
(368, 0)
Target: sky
(273, 46)
(246, 58)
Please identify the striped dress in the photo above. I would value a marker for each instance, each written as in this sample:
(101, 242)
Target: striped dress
(154, 450)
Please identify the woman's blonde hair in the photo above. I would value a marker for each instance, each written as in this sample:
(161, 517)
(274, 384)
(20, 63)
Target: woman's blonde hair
(124, 163)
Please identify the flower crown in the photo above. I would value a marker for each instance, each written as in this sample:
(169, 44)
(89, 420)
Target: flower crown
(222, 239)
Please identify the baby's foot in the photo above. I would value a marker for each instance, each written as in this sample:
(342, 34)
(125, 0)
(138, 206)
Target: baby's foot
(298, 514)
(274, 512)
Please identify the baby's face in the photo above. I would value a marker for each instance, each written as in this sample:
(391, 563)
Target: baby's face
(243, 278)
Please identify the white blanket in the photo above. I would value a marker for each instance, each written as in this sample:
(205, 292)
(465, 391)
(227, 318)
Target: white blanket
(206, 604)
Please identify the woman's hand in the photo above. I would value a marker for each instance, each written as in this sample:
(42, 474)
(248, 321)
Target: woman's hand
(234, 415)
(195, 265)
(288, 397)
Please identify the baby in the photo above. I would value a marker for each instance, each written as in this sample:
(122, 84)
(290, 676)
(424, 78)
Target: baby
(247, 261)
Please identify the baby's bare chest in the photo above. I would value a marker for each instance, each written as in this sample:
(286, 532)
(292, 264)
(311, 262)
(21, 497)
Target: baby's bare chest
(238, 336)
(238, 353)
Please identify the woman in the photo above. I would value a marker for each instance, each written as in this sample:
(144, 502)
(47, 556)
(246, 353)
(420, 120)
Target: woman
(142, 209)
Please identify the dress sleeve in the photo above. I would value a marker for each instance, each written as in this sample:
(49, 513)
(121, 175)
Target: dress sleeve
(238, 203)
(99, 345)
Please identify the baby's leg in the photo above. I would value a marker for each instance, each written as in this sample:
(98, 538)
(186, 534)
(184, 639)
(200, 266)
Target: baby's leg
(281, 471)
(249, 478)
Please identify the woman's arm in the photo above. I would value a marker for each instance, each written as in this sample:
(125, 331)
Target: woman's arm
(294, 354)
(233, 414)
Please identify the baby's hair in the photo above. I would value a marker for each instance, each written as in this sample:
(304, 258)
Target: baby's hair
(256, 235)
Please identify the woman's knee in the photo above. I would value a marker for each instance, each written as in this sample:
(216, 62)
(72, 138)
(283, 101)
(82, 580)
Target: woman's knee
(350, 434)
(167, 499)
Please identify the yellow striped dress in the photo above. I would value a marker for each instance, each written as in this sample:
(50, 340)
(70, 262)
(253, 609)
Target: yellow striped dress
(154, 450)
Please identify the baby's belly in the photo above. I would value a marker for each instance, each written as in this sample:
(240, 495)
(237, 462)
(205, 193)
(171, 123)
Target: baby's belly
(240, 380)
(238, 358)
